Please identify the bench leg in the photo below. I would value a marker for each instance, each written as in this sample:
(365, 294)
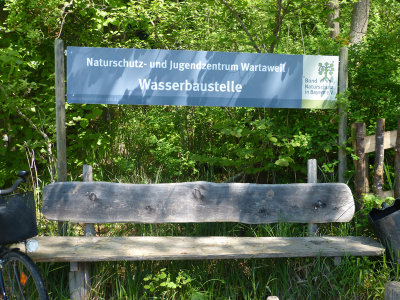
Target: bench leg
(392, 290)
(79, 281)
(312, 178)
(79, 275)
(337, 260)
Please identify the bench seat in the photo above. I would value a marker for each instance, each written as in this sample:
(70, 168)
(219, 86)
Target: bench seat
(90, 249)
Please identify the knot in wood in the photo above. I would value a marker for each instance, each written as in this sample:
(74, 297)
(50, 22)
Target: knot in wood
(92, 197)
(262, 211)
(379, 170)
(319, 204)
(270, 194)
(197, 194)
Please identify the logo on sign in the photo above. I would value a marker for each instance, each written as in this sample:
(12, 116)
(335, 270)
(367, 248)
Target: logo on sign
(325, 69)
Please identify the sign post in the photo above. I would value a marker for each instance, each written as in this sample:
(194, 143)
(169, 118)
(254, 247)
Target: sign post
(343, 83)
(60, 117)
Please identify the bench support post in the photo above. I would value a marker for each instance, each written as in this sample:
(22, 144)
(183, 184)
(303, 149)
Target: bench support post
(79, 276)
(79, 281)
(392, 290)
(312, 178)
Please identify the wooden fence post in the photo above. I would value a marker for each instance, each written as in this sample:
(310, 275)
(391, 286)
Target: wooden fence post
(396, 191)
(361, 180)
(312, 178)
(379, 156)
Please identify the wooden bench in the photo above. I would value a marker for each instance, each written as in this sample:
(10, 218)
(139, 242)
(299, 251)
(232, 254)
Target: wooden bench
(104, 202)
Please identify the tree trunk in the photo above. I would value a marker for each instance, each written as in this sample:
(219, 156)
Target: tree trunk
(278, 24)
(333, 6)
(359, 21)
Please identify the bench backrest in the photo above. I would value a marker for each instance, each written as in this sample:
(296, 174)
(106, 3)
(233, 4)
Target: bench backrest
(105, 202)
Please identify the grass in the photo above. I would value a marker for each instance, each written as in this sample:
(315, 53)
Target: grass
(287, 278)
(295, 278)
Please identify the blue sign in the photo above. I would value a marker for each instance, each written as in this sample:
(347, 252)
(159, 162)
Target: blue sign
(200, 78)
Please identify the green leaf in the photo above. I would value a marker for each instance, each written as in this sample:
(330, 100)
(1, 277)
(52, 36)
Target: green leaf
(172, 285)
(284, 161)
(97, 112)
(84, 123)
(273, 139)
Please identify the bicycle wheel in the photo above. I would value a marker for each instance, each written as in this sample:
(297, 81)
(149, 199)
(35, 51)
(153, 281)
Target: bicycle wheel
(22, 279)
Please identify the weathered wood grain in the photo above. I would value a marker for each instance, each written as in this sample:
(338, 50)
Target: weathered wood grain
(61, 162)
(104, 202)
(66, 249)
(60, 110)
(392, 290)
(379, 157)
(312, 177)
(360, 179)
(390, 141)
(342, 109)
(397, 162)
(79, 275)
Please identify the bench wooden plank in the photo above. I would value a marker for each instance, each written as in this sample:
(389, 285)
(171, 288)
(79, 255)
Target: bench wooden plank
(78, 249)
(105, 202)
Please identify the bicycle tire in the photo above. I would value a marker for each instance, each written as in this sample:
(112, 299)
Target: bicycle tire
(22, 279)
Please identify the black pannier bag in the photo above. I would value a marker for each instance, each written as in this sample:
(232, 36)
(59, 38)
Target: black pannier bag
(386, 225)
(17, 218)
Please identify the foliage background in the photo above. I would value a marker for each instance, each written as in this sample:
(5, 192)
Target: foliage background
(186, 143)
(170, 144)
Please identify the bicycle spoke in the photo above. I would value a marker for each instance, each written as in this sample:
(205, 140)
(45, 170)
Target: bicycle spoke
(16, 272)
(21, 278)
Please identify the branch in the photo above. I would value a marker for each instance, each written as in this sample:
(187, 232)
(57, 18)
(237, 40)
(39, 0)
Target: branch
(279, 16)
(22, 115)
(65, 14)
(33, 125)
(243, 25)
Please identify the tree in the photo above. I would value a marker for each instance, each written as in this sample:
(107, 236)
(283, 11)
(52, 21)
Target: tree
(359, 21)
(182, 142)
(333, 24)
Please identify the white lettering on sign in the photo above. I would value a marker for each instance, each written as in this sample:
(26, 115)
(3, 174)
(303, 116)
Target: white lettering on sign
(187, 86)
(263, 68)
(91, 62)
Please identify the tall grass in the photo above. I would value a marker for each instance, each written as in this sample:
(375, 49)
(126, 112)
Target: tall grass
(294, 278)
(287, 278)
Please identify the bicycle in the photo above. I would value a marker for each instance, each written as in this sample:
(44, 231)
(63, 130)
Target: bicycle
(19, 275)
